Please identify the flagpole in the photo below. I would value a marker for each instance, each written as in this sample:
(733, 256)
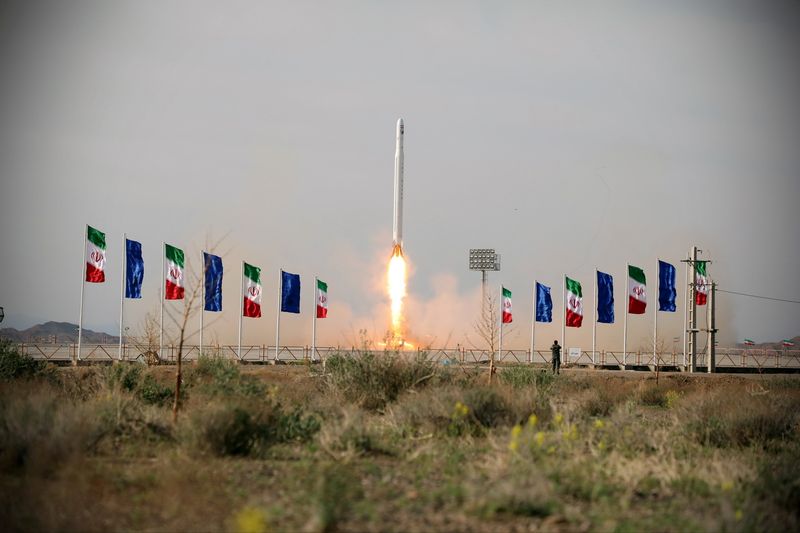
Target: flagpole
(500, 350)
(202, 299)
(278, 319)
(83, 285)
(533, 322)
(594, 321)
(161, 297)
(314, 321)
(563, 311)
(625, 326)
(241, 312)
(122, 279)
(656, 304)
(685, 310)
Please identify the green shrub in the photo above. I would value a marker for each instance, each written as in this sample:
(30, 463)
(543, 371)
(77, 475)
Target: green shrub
(217, 376)
(238, 430)
(124, 376)
(150, 391)
(16, 365)
(757, 422)
(526, 376)
(374, 380)
(653, 395)
(487, 407)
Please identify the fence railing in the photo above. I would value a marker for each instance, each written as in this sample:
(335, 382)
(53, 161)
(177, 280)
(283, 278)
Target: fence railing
(725, 357)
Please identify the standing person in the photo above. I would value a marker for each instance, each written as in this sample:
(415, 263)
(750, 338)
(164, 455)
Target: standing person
(555, 349)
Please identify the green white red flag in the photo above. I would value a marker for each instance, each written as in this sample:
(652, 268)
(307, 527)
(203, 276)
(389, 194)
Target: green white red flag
(251, 290)
(574, 303)
(322, 299)
(637, 291)
(749, 342)
(787, 343)
(174, 265)
(505, 305)
(95, 255)
(700, 283)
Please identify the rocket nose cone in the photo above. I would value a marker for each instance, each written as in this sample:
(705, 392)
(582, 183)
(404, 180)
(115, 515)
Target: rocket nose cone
(400, 127)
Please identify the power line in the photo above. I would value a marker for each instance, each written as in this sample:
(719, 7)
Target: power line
(761, 297)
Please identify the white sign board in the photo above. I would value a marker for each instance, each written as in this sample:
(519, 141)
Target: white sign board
(574, 353)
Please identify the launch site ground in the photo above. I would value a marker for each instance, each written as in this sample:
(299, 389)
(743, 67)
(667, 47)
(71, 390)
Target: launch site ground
(388, 444)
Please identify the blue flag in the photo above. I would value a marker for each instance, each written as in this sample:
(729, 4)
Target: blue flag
(605, 298)
(666, 287)
(544, 304)
(134, 271)
(290, 292)
(213, 282)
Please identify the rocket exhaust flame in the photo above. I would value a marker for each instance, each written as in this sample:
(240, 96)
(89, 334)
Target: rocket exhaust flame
(396, 285)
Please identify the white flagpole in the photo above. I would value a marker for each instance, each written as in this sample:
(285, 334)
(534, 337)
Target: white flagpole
(685, 311)
(83, 285)
(533, 323)
(594, 319)
(314, 322)
(625, 326)
(241, 312)
(202, 298)
(278, 319)
(161, 294)
(656, 298)
(563, 312)
(122, 279)
(500, 350)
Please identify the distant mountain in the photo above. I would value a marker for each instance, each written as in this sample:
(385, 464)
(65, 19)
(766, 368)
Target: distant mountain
(56, 333)
(772, 345)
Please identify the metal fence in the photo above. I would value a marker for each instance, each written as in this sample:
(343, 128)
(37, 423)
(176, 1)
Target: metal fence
(725, 357)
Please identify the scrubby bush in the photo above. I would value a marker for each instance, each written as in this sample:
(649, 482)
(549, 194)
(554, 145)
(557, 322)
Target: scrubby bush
(373, 380)
(124, 376)
(487, 408)
(16, 365)
(220, 377)
(150, 391)
(520, 376)
(236, 429)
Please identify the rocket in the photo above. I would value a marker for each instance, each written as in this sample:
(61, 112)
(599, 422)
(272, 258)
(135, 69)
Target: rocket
(397, 230)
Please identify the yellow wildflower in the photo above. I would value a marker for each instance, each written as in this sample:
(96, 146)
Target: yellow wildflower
(551, 449)
(250, 520)
(558, 419)
(727, 486)
(738, 515)
(599, 424)
(532, 420)
(539, 438)
(601, 445)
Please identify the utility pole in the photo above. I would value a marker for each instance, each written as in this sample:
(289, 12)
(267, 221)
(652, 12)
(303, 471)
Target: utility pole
(691, 305)
(712, 330)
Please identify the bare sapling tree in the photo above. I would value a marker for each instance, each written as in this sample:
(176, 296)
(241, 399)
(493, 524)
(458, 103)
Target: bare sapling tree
(146, 340)
(486, 327)
(191, 306)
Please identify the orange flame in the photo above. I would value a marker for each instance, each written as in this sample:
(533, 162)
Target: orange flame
(396, 278)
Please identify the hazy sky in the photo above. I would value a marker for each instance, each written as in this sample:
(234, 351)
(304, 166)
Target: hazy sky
(566, 137)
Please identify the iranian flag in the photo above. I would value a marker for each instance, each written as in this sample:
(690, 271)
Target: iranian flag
(574, 303)
(506, 306)
(749, 342)
(95, 255)
(700, 283)
(251, 290)
(173, 289)
(322, 299)
(637, 293)
(787, 343)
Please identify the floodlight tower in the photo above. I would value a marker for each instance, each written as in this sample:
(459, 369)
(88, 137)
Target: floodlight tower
(484, 260)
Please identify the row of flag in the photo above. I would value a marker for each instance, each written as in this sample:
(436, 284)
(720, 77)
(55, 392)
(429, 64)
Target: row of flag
(637, 295)
(786, 343)
(174, 278)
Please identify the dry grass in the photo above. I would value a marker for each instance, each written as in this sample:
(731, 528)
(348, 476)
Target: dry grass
(285, 448)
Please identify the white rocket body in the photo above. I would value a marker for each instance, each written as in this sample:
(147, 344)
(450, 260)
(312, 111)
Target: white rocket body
(397, 231)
